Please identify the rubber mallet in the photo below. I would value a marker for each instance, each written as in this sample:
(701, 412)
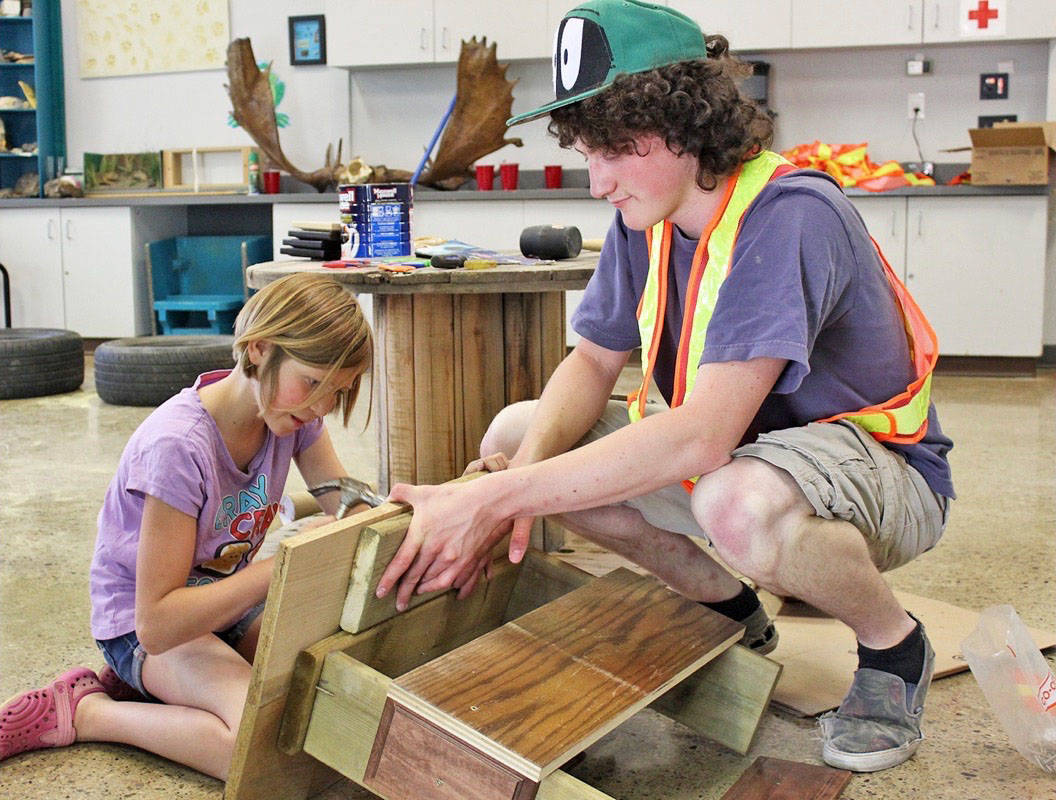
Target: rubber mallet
(551, 241)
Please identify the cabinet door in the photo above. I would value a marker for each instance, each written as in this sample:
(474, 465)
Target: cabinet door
(1024, 19)
(748, 24)
(885, 219)
(31, 251)
(976, 266)
(520, 29)
(100, 285)
(837, 23)
(367, 33)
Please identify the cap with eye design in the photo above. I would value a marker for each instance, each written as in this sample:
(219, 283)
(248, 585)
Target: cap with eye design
(600, 39)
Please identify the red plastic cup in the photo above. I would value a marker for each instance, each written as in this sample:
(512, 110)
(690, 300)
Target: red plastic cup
(552, 176)
(508, 173)
(270, 181)
(485, 177)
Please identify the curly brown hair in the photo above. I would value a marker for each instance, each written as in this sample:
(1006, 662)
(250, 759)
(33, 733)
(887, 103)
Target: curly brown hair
(695, 106)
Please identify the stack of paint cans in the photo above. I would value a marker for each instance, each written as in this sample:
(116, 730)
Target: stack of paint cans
(376, 219)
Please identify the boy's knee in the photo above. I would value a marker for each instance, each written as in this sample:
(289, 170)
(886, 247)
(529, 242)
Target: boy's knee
(506, 431)
(744, 513)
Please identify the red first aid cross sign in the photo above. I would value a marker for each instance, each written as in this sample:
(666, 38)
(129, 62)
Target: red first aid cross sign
(983, 17)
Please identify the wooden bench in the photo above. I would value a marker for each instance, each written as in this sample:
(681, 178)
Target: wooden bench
(465, 699)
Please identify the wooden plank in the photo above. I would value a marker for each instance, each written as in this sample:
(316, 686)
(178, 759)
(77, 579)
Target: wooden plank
(434, 398)
(458, 390)
(381, 389)
(377, 546)
(400, 394)
(304, 605)
(777, 779)
(726, 699)
(536, 691)
(552, 324)
(543, 578)
(522, 341)
(306, 671)
(483, 383)
(412, 758)
(346, 717)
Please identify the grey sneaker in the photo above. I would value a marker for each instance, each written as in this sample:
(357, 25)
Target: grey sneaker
(760, 634)
(877, 726)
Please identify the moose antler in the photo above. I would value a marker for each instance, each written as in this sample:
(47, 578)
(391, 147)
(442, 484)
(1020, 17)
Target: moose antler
(478, 124)
(254, 110)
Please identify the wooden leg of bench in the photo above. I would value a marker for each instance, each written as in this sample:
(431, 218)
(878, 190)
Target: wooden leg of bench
(726, 699)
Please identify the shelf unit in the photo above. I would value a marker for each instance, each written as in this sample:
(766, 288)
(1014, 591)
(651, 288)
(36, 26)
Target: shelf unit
(40, 35)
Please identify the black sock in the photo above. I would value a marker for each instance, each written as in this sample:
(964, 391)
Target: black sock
(739, 607)
(905, 659)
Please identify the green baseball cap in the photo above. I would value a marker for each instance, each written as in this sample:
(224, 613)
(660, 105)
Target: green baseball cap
(600, 39)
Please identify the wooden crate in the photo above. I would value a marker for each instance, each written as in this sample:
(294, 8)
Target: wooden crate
(185, 168)
(318, 693)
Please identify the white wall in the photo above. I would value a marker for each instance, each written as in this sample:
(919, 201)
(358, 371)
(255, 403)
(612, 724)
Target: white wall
(836, 96)
(189, 109)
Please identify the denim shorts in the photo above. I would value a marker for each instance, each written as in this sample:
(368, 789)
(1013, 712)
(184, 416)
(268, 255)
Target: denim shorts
(126, 655)
(843, 472)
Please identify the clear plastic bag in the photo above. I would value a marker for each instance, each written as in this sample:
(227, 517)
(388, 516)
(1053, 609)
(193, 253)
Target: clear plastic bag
(1017, 682)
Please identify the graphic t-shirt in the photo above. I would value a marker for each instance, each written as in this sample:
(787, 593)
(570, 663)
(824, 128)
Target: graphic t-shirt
(805, 285)
(178, 456)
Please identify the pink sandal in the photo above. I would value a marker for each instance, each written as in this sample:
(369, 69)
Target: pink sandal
(43, 718)
(114, 686)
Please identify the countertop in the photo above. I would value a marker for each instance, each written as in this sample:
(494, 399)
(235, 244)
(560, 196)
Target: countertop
(426, 195)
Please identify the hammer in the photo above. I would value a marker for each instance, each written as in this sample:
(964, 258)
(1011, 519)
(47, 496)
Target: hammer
(555, 242)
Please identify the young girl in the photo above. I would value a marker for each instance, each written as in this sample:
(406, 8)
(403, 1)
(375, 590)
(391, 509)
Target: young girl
(176, 595)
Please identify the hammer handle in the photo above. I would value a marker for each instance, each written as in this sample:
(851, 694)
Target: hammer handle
(593, 244)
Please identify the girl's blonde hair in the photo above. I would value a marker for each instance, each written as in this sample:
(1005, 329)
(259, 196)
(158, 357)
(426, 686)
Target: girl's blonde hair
(310, 318)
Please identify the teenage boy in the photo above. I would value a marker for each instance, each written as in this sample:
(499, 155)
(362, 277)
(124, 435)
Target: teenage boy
(797, 436)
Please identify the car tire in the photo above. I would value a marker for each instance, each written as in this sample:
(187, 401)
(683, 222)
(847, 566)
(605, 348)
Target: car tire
(39, 361)
(148, 370)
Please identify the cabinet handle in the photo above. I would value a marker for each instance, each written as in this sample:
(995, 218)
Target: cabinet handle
(444, 38)
(935, 26)
(920, 223)
(423, 44)
(69, 229)
(51, 228)
(909, 17)
(894, 223)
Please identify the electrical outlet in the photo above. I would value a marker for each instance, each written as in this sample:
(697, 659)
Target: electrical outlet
(915, 105)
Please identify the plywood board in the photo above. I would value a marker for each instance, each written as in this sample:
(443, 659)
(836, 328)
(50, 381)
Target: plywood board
(777, 779)
(536, 691)
(434, 395)
(820, 654)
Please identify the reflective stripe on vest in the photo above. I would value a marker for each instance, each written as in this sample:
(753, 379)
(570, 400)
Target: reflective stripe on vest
(903, 419)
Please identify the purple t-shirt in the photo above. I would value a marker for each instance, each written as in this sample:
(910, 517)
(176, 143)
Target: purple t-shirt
(178, 456)
(805, 285)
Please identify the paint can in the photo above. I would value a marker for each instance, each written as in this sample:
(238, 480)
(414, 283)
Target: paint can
(376, 219)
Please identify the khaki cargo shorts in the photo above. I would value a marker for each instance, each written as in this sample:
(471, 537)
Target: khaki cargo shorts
(843, 472)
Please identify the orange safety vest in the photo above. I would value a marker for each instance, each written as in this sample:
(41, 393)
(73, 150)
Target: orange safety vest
(903, 419)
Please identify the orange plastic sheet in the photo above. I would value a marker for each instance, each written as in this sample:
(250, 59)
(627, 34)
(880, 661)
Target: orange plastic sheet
(851, 166)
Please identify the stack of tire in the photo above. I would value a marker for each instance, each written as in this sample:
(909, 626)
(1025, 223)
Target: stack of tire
(39, 361)
(148, 370)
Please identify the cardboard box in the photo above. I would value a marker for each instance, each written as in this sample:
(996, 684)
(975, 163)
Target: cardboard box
(1013, 153)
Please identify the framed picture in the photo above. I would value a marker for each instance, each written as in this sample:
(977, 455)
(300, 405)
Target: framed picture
(308, 40)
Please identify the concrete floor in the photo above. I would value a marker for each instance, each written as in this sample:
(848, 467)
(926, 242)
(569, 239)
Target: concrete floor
(57, 455)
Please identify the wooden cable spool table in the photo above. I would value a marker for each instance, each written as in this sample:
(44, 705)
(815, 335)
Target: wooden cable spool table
(452, 349)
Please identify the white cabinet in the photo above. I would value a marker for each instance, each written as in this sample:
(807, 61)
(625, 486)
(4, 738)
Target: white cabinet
(520, 29)
(747, 24)
(976, 266)
(837, 23)
(31, 251)
(1024, 19)
(83, 269)
(885, 219)
(367, 33)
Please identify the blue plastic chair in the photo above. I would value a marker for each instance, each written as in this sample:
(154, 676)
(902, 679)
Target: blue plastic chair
(198, 283)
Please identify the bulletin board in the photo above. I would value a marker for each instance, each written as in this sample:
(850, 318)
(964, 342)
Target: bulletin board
(135, 37)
